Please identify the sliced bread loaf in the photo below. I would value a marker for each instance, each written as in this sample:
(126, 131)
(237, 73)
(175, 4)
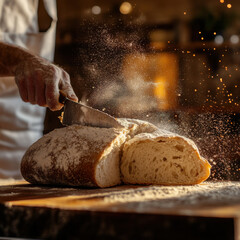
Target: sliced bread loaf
(94, 157)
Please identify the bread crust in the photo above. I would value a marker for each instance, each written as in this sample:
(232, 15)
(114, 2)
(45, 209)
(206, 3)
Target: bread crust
(68, 156)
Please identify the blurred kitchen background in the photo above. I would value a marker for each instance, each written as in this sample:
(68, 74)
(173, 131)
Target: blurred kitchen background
(173, 63)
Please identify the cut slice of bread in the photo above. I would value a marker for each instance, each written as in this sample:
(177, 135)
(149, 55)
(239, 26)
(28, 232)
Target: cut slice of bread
(162, 158)
(89, 156)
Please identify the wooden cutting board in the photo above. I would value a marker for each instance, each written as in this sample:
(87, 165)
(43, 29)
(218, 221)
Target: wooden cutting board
(216, 199)
(214, 204)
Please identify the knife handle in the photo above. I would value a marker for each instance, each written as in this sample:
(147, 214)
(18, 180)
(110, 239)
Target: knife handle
(62, 97)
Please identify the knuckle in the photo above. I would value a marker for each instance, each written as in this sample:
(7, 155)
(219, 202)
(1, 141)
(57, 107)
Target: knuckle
(66, 75)
(54, 69)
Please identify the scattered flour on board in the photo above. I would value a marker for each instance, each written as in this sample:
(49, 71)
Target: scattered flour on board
(169, 196)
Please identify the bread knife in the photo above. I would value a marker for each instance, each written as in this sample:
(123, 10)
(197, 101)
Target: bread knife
(79, 113)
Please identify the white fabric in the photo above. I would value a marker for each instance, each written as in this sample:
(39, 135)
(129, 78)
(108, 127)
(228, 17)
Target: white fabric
(21, 123)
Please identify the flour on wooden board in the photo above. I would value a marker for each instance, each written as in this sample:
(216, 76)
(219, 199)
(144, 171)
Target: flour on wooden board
(169, 196)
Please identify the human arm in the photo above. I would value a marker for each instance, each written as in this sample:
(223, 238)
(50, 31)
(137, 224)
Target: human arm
(38, 80)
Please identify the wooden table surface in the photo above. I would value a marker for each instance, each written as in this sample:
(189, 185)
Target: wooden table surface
(210, 208)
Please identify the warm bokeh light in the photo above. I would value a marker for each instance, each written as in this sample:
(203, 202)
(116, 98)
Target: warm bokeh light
(229, 5)
(96, 10)
(219, 39)
(221, 1)
(234, 39)
(160, 89)
(125, 8)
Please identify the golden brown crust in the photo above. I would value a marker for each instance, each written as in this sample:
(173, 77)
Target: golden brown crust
(67, 156)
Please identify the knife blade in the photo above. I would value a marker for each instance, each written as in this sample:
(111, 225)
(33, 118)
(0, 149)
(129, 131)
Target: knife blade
(79, 113)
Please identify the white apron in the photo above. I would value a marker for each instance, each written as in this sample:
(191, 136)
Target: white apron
(21, 123)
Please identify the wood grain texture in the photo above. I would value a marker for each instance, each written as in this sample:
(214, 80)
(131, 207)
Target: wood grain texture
(205, 211)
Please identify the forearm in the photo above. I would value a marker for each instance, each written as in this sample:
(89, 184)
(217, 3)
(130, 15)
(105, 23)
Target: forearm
(10, 57)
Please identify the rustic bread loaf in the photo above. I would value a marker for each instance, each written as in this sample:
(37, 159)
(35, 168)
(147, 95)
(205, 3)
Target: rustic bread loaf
(89, 156)
(80, 155)
(162, 158)
(76, 156)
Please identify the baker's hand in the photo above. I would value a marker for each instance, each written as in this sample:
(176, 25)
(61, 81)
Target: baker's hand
(40, 81)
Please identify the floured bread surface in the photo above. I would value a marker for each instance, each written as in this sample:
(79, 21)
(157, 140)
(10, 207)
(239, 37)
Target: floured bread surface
(76, 156)
(162, 158)
(136, 126)
(138, 153)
